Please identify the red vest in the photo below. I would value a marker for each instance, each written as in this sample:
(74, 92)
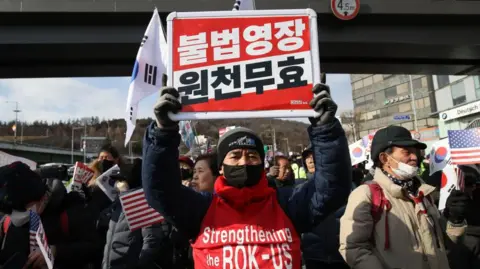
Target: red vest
(247, 229)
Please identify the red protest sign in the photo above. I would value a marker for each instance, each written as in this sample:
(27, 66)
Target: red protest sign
(244, 61)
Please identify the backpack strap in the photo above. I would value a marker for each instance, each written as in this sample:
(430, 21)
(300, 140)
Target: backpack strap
(379, 204)
(64, 223)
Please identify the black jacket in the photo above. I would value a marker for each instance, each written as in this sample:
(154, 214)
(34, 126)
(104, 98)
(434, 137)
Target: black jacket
(143, 248)
(77, 244)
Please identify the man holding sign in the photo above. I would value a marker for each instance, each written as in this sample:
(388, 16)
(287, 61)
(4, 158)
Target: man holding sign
(245, 221)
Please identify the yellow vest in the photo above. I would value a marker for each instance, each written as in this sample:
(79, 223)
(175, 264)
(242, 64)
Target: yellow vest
(299, 172)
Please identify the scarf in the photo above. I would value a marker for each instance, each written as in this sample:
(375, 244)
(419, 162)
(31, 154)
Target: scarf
(411, 188)
(240, 197)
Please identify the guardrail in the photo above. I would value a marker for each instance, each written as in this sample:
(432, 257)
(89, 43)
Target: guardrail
(37, 148)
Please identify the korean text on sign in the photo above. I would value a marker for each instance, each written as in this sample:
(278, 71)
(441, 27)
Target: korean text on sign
(242, 63)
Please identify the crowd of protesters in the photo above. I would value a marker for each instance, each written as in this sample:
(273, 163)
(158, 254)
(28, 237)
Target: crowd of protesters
(235, 208)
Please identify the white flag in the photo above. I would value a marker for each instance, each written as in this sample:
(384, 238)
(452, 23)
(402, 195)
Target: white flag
(244, 5)
(150, 65)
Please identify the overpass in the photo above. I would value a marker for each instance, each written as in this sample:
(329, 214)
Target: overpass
(40, 154)
(54, 38)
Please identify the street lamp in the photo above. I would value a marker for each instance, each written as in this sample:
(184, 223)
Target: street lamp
(16, 119)
(21, 132)
(73, 130)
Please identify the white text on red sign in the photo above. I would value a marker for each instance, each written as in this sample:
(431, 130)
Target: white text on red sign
(226, 44)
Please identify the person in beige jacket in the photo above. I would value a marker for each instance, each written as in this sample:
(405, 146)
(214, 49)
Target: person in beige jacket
(412, 233)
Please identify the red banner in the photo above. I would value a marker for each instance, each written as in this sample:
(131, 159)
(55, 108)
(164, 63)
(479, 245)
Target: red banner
(242, 63)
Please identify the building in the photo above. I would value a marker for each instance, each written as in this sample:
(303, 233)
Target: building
(458, 101)
(382, 100)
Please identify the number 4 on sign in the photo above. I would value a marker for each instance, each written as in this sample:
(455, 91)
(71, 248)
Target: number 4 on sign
(345, 9)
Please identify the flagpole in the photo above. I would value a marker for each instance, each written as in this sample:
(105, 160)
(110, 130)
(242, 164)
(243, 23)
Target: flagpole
(194, 133)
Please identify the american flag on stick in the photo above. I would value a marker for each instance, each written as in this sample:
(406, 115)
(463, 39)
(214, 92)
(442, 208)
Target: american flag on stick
(137, 211)
(464, 146)
(34, 224)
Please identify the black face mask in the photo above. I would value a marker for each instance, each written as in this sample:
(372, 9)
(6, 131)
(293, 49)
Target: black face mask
(185, 174)
(240, 176)
(105, 165)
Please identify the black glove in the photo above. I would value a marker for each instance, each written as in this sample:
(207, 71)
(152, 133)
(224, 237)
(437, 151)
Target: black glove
(323, 104)
(168, 102)
(456, 207)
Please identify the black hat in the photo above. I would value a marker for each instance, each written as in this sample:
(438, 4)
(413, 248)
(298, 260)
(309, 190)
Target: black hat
(20, 185)
(238, 138)
(393, 136)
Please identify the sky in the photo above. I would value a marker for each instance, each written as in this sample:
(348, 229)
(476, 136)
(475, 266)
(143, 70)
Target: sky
(54, 99)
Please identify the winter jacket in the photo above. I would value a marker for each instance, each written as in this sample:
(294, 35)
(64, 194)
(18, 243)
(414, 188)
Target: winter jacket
(321, 244)
(305, 205)
(125, 249)
(77, 245)
(413, 244)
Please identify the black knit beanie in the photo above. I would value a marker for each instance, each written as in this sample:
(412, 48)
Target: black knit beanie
(238, 138)
(21, 185)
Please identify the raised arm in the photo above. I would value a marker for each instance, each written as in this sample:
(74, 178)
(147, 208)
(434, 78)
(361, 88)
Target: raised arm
(313, 201)
(181, 206)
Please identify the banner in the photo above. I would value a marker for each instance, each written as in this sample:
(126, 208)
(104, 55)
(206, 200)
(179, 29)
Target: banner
(243, 64)
(81, 175)
(107, 184)
(6, 159)
(187, 134)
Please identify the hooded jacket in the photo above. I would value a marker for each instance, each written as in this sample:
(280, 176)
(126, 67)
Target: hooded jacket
(303, 206)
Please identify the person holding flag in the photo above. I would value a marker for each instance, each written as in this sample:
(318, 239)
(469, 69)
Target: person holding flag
(245, 215)
(67, 224)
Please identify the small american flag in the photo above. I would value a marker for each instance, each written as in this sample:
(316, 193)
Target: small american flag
(34, 224)
(138, 213)
(464, 146)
